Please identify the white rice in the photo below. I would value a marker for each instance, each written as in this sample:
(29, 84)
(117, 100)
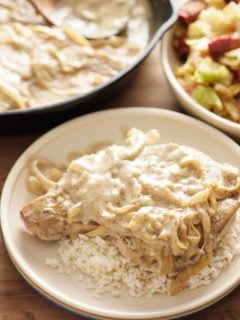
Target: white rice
(106, 270)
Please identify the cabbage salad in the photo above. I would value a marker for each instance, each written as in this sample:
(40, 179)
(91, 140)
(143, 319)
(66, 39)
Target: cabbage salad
(207, 41)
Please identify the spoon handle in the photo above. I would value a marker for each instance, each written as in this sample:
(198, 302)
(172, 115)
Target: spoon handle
(40, 9)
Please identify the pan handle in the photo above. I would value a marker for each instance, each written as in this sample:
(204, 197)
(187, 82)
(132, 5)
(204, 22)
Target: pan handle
(172, 19)
(176, 5)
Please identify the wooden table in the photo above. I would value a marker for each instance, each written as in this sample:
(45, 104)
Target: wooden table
(18, 301)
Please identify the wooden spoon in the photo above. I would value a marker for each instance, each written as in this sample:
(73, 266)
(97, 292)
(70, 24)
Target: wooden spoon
(96, 30)
(44, 7)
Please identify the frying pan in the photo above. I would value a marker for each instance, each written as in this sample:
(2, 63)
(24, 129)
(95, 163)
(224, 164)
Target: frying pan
(163, 17)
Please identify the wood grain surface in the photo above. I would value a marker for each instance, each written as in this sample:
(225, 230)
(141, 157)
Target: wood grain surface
(18, 301)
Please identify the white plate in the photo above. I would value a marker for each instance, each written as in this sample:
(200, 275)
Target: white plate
(28, 253)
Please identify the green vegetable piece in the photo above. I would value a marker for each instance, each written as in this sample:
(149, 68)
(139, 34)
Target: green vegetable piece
(207, 97)
(231, 59)
(207, 73)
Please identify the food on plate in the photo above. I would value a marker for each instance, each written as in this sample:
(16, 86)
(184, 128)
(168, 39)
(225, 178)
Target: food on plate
(207, 41)
(165, 207)
(42, 64)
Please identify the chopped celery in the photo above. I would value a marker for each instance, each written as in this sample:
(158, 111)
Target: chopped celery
(207, 97)
(198, 29)
(231, 58)
(235, 89)
(186, 70)
(228, 92)
(208, 72)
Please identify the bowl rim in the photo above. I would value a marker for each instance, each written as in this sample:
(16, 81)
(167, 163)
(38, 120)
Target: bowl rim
(192, 106)
(58, 106)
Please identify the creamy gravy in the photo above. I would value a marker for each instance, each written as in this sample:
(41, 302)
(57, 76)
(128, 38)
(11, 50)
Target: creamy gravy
(42, 64)
(166, 205)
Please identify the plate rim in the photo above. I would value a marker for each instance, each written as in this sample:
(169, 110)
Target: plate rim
(41, 141)
(92, 316)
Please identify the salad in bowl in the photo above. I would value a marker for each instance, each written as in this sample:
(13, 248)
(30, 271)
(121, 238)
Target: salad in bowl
(207, 42)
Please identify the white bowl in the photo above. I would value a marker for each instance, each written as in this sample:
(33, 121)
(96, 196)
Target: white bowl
(170, 62)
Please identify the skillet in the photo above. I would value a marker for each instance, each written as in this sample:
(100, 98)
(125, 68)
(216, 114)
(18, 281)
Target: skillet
(163, 17)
